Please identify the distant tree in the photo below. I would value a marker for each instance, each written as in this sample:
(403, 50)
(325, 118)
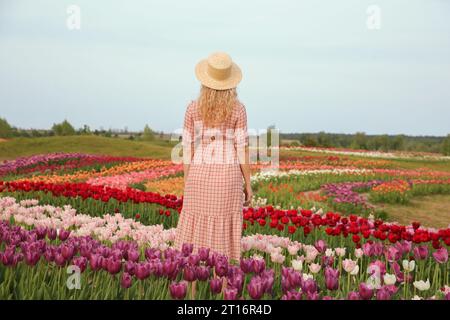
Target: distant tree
(63, 129)
(445, 149)
(397, 142)
(108, 133)
(323, 139)
(36, 133)
(85, 130)
(6, 131)
(148, 134)
(359, 141)
(310, 142)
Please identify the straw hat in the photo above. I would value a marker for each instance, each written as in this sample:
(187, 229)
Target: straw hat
(218, 72)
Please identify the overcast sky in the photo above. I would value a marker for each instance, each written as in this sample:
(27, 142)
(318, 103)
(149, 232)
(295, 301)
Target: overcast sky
(307, 65)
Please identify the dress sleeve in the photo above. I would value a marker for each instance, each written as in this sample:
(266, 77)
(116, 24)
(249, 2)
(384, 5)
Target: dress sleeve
(241, 134)
(188, 134)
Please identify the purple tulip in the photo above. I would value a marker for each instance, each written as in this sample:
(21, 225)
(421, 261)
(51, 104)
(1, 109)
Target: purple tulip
(221, 266)
(421, 252)
(60, 260)
(203, 253)
(151, 253)
(406, 246)
(352, 295)
(141, 271)
(133, 255)
(125, 280)
(41, 232)
(441, 255)
(268, 279)
(331, 278)
(51, 234)
(178, 290)
(368, 249)
(211, 260)
(129, 267)
(312, 296)
(80, 262)
(255, 288)
(321, 246)
(114, 265)
(67, 251)
(383, 294)
(187, 249)
(170, 269)
(292, 295)
(377, 248)
(216, 285)
(365, 292)
(236, 281)
(189, 273)
(393, 254)
(7, 257)
(202, 272)
(258, 265)
(31, 258)
(63, 234)
(49, 255)
(193, 259)
(310, 286)
(230, 294)
(246, 265)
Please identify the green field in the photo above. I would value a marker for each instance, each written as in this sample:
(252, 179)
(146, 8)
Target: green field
(20, 147)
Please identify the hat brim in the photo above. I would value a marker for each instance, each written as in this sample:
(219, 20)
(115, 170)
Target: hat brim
(201, 72)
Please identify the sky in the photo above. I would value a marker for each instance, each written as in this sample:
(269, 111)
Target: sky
(308, 65)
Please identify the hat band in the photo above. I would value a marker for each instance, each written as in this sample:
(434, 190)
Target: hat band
(219, 74)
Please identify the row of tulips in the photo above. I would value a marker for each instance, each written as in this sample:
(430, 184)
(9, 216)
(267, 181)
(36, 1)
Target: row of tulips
(367, 173)
(61, 163)
(373, 154)
(85, 191)
(110, 228)
(296, 223)
(83, 175)
(122, 181)
(33, 264)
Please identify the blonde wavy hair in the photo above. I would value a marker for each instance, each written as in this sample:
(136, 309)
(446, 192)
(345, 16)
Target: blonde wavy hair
(216, 105)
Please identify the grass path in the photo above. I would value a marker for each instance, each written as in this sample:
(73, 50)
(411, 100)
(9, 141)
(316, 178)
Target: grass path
(431, 211)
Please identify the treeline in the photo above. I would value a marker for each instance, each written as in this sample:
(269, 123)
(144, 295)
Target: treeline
(361, 140)
(65, 128)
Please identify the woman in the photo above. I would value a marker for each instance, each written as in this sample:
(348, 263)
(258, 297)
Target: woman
(216, 161)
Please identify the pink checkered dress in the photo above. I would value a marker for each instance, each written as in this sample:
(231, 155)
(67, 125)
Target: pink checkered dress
(211, 216)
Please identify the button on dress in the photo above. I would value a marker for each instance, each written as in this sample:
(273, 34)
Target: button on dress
(211, 216)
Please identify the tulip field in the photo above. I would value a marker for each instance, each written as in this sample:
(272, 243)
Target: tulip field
(85, 226)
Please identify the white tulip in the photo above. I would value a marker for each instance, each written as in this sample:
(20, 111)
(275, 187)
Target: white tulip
(389, 279)
(329, 253)
(307, 276)
(340, 252)
(355, 271)
(416, 297)
(359, 253)
(422, 285)
(409, 265)
(314, 267)
(297, 264)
